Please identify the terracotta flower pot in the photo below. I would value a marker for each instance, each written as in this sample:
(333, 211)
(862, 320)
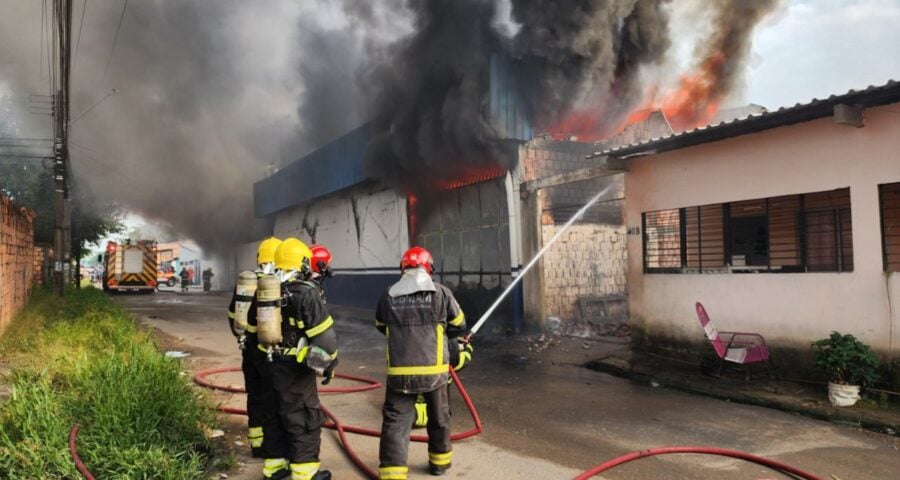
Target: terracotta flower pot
(842, 395)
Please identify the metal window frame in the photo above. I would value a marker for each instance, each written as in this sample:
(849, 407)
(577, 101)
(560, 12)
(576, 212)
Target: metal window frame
(802, 238)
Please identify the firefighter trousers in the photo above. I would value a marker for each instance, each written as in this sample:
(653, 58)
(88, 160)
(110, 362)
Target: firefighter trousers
(300, 418)
(264, 430)
(399, 412)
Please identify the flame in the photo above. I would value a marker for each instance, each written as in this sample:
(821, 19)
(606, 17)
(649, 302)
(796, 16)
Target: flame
(693, 103)
(584, 125)
(470, 177)
(696, 101)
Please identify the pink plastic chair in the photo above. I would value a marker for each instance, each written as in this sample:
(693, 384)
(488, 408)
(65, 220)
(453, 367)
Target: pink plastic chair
(741, 348)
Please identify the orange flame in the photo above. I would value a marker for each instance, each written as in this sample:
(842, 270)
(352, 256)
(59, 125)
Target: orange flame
(471, 177)
(696, 101)
(692, 104)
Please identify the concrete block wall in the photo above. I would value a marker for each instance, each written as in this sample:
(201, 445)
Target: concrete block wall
(585, 274)
(543, 157)
(17, 257)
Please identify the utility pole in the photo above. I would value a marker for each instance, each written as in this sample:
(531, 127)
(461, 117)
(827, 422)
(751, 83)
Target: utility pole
(62, 234)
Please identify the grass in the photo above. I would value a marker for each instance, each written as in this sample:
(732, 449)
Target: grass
(81, 359)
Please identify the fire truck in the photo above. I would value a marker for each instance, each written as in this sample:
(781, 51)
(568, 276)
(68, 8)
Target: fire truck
(130, 266)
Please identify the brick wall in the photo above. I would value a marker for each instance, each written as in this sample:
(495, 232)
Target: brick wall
(17, 258)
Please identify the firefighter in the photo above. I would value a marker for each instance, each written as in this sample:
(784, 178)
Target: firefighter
(185, 278)
(422, 317)
(207, 279)
(321, 265)
(309, 347)
(261, 403)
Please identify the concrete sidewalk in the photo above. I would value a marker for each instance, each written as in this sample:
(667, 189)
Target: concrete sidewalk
(804, 398)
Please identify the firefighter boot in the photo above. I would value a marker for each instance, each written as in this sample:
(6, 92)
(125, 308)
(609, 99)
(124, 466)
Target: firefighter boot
(438, 470)
(439, 463)
(276, 469)
(309, 471)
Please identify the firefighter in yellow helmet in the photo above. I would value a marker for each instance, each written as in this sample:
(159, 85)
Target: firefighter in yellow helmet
(261, 404)
(422, 317)
(308, 348)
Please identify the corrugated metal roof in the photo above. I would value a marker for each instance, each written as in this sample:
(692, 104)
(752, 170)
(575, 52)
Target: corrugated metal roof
(335, 166)
(800, 112)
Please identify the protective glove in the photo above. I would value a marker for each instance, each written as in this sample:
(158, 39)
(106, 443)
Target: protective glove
(465, 354)
(329, 372)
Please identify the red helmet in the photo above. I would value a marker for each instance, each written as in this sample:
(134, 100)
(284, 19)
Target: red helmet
(321, 258)
(417, 257)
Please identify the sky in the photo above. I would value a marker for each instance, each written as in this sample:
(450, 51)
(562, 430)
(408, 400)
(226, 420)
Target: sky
(816, 48)
(805, 49)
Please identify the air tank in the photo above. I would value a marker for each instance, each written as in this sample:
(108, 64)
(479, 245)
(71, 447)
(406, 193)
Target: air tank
(246, 290)
(268, 311)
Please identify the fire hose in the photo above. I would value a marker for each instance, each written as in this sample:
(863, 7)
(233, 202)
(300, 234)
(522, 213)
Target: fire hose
(370, 384)
(335, 423)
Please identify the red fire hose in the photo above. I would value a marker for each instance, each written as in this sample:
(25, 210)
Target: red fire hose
(369, 384)
(781, 467)
(82, 469)
(335, 423)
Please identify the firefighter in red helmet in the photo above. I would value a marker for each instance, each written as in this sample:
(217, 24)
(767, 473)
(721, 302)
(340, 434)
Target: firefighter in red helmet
(321, 265)
(423, 319)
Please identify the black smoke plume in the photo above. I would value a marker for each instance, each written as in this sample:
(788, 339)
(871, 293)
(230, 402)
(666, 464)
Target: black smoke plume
(431, 118)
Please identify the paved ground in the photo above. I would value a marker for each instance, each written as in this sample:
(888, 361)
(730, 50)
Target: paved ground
(545, 416)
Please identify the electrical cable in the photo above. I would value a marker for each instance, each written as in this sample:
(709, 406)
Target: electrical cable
(80, 28)
(115, 40)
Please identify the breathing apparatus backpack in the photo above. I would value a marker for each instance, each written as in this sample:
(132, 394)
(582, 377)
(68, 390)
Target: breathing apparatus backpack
(269, 300)
(243, 301)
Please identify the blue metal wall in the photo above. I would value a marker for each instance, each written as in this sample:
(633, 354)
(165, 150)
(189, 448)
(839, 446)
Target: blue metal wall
(339, 164)
(509, 108)
(334, 167)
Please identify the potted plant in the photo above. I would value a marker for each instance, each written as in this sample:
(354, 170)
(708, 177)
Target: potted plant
(849, 364)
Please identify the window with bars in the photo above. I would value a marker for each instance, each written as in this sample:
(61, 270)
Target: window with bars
(793, 233)
(889, 196)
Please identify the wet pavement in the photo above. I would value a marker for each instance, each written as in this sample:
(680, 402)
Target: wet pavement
(545, 416)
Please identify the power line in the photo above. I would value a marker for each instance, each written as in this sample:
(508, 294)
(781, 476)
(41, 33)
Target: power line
(116, 39)
(80, 27)
(26, 139)
(41, 62)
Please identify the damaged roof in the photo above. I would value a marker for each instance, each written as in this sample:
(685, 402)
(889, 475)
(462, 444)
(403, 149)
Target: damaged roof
(800, 112)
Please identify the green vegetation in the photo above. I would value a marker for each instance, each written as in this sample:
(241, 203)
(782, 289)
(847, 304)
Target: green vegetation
(80, 359)
(846, 360)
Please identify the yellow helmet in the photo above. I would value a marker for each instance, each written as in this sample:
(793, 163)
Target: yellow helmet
(266, 251)
(293, 254)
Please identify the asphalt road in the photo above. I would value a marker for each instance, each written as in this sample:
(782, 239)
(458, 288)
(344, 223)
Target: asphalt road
(545, 416)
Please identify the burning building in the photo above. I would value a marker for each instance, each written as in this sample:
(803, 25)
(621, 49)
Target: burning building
(455, 157)
(481, 224)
